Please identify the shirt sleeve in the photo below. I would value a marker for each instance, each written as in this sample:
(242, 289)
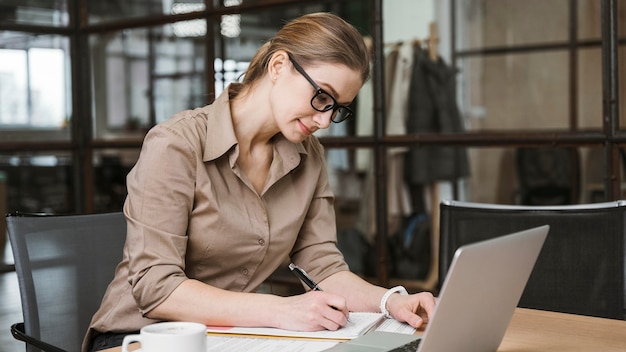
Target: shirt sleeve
(160, 199)
(316, 249)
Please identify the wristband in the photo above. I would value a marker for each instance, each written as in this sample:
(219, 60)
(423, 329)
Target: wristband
(383, 301)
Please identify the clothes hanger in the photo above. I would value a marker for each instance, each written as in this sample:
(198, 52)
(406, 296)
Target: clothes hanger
(433, 42)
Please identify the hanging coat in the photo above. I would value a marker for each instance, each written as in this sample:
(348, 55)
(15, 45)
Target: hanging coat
(433, 109)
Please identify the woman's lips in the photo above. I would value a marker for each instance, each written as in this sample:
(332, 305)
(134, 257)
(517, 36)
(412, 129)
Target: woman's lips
(305, 129)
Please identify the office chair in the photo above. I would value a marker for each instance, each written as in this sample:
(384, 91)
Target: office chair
(580, 269)
(64, 265)
(548, 176)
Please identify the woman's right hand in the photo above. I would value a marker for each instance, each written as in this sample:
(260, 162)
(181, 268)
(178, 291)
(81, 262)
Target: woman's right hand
(313, 311)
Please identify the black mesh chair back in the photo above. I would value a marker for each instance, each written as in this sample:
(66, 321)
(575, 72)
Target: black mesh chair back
(580, 269)
(548, 176)
(64, 265)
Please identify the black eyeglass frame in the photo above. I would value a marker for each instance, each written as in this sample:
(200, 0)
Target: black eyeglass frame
(340, 112)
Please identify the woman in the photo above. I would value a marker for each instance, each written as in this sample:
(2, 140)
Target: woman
(221, 195)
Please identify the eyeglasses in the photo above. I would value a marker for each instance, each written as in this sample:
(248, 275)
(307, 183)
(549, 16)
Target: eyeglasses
(322, 101)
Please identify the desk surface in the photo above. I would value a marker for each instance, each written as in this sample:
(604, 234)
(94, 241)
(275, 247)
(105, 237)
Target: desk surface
(535, 330)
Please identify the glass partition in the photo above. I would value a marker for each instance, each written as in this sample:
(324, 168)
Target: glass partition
(238, 36)
(590, 19)
(622, 171)
(516, 91)
(621, 73)
(530, 175)
(38, 182)
(238, 39)
(121, 81)
(110, 10)
(110, 168)
(35, 87)
(35, 12)
(352, 183)
(143, 76)
(498, 175)
(589, 102)
(484, 24)
(590, 61)
(530, 89)
(593, 174)
(179, 76)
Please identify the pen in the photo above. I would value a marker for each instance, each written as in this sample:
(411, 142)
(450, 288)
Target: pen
(304, 277)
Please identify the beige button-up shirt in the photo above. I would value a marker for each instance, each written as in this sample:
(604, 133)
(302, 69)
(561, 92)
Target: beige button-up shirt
(193, 213)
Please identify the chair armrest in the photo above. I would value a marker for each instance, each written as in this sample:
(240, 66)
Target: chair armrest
(17, 330)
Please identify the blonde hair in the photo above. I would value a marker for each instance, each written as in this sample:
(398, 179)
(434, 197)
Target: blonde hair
(321, 37)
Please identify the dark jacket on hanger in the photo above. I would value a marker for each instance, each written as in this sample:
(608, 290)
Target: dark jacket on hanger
(432, 109)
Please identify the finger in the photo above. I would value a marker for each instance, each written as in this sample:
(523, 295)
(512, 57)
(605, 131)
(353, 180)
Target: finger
(339, 304)
(339, 313)
(411, 318)
(334, 320)
(344, 311)
(416, 309)
(428, 303)
(416, 321)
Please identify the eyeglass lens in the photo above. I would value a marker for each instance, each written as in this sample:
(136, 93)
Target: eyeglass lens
(322, 102)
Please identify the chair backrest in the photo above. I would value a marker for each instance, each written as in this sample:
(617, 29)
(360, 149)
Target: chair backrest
(64, 265)
(580, 269)
(548, 176)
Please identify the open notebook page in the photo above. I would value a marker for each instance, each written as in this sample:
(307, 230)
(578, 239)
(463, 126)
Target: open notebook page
(360, 323)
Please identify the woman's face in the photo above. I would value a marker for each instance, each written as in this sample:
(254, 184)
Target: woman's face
(291, 100)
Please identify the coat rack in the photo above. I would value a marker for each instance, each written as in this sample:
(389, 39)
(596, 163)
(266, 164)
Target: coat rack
(433, 42)
(431, 45)
(430, 283)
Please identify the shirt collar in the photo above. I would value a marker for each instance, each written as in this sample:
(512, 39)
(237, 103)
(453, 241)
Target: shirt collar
(221, 135)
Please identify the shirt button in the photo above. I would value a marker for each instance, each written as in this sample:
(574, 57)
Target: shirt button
(262, 242)
(244, 271)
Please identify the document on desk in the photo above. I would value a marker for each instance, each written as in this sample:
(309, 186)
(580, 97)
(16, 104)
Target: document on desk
(359, 323)
(392, 325)
(222, 343)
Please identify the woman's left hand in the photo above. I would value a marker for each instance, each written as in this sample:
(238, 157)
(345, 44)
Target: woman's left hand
(414, 309)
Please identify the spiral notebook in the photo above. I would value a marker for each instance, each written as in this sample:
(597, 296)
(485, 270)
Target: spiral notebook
(359, 324)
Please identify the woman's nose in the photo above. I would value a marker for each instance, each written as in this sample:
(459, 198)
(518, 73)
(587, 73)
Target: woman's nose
(323, 119)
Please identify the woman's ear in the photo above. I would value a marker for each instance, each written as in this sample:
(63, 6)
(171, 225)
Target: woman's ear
(277, 64)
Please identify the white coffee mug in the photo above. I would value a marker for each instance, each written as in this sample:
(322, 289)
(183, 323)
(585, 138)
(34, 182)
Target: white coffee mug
(168, 337)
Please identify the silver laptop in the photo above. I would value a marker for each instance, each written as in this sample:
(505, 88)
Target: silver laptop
(477, 300)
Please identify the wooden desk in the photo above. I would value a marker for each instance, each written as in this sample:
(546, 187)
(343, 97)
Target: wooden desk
(535, 330)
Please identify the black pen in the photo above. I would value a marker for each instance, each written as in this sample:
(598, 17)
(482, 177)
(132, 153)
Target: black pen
(304, 277)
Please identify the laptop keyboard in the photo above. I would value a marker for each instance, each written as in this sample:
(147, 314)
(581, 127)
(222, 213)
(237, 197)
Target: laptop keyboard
(410, 346)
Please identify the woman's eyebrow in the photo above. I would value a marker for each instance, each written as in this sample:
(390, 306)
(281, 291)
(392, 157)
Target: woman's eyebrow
(329, 89)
